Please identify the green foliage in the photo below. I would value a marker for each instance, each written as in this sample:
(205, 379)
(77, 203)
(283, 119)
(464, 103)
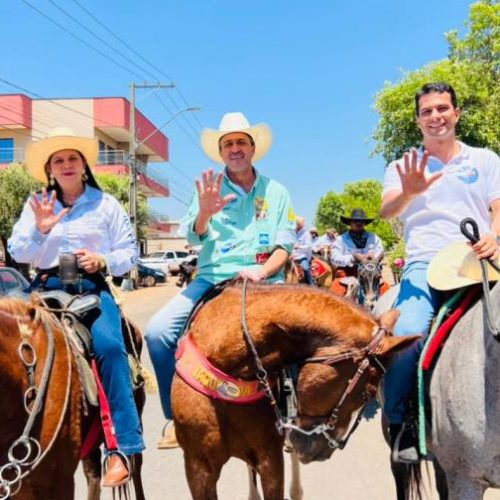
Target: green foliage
(472, 68)
(365, 194)
(119, 187)
(16, 184)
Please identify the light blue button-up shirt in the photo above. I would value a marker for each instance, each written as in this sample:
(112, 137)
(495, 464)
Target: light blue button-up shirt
(96, 222)
(245, 232)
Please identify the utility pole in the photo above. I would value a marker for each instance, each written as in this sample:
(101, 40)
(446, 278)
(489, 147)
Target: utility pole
(128, 284)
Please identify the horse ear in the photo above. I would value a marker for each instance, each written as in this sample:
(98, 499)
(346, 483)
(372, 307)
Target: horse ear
(391, 345)
(388, 319)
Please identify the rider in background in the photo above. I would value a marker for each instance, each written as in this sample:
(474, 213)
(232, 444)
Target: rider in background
(244, 223)
(302, 249)
(432, 189)
(73, 216)
(323, 245)
(354, 247)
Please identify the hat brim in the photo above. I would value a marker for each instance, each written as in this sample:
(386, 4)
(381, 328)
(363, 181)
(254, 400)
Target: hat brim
(38, 153)
(456, 266)
(260, 133)
(348, 220)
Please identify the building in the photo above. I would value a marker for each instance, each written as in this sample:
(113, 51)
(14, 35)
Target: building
(23, 119)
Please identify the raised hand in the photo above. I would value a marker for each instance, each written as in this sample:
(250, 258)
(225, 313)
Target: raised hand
(45, 218)
(209, 197)
(412, 174)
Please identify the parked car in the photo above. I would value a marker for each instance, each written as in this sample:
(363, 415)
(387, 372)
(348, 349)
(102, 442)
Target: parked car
(147, 276)
(167, 260)
(11, 281)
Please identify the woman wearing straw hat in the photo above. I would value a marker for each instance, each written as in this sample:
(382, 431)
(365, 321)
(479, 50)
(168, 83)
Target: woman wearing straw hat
(245, 225)
(73, 219)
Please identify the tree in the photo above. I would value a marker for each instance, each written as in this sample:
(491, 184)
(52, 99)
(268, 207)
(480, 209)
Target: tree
(365, 194)
(16, 184)
(119, 187)
(472, 68)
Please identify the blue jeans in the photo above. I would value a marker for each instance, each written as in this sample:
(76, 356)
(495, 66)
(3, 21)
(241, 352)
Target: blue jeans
(418, 304)
(163, 332)
(304, 263)
(111, 357)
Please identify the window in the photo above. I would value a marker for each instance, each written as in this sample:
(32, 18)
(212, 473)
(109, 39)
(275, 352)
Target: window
(6, 150)
(9, 281)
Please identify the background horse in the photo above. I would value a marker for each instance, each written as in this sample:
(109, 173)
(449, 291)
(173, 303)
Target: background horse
(465, 401)
(370, 283)
(330, 338)
(64, 418)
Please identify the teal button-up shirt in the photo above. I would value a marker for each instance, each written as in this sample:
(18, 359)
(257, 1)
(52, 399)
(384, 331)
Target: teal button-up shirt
(245, 232)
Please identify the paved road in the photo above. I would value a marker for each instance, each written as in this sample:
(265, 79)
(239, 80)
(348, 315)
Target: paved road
(360, 472)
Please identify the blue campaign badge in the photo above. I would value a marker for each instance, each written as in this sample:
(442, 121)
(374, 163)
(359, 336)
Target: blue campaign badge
(227, 247)
(468, 174)
(264, 239)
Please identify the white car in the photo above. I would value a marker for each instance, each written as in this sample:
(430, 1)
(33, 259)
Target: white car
(167, 260)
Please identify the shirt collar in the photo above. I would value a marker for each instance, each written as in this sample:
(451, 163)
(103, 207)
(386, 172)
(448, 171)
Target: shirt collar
(464, 153)
(239, 189)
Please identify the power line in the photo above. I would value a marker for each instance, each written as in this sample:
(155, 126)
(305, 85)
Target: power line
(98, 37)
(195, 142)
(17, 131)
(37, 119)
(56, 103)
(142, 58)
(179, 170)
(60, 26)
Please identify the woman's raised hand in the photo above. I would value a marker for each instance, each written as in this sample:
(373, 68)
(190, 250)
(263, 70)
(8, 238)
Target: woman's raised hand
(209, 197)
(45, 218)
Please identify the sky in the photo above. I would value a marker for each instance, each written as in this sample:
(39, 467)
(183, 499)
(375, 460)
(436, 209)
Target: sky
(310, 70)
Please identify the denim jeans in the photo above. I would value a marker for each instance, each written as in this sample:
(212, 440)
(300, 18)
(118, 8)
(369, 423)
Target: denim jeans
(418, 304)
(163, 332)
(305, 264)
(111, 357)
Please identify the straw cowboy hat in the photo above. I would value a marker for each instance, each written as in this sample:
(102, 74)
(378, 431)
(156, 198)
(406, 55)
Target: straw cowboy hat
(357, 215)
(236, 122)
(457, 266)
(38, 152)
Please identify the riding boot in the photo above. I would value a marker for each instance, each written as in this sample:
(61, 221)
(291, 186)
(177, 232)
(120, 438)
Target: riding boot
(404, 444)
(117, 472)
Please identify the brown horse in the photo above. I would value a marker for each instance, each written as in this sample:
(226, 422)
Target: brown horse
(35, 352)
(341, 349)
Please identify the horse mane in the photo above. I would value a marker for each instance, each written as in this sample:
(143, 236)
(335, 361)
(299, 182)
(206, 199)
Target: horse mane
(21, 311)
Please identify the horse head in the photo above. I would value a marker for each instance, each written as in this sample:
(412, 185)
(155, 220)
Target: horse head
(334, 386)
(369, 275)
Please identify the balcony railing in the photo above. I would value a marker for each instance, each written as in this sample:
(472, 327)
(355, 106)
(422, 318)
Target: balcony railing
(117, 157)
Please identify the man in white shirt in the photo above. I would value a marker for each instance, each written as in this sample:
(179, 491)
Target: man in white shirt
(432, 189)
(302, 249)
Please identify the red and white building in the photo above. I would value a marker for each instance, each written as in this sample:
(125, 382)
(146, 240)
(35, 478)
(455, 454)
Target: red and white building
(23, 119)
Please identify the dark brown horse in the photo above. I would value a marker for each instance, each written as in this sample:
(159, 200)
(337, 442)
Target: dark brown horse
(42, 464)
(341, 350)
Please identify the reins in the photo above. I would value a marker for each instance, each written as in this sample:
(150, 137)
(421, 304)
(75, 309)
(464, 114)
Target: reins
(326, 428)
(10, 486)
(473, 236)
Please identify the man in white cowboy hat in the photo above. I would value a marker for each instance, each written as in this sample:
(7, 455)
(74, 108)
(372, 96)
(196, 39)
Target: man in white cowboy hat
(352, 248)
(244, 223)
(432, 189)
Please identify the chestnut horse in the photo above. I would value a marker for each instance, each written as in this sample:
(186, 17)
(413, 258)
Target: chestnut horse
(43, 409)
(341, 351)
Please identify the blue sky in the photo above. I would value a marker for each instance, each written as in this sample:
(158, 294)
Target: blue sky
(308, 69)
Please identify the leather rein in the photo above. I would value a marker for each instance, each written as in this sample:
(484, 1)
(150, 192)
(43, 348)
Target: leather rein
(328, 423)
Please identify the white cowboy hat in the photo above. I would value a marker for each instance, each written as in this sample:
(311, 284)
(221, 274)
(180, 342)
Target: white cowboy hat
(236, 122)
(38, 152)
(457, 266)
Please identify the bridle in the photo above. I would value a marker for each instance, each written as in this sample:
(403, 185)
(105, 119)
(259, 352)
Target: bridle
(327, 426)
(368, 272)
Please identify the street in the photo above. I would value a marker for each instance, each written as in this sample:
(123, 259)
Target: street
(360, 472)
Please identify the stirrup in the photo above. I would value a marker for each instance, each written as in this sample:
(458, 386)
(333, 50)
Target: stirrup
(125, 461)
(409, 455)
